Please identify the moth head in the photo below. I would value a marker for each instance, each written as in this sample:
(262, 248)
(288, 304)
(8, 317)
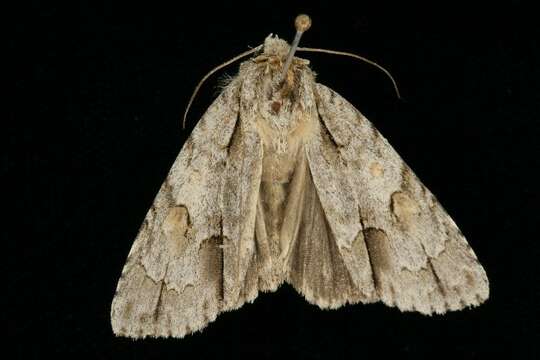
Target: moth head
(284, 52)
(275, 47)
(277, 77)
(274, 57)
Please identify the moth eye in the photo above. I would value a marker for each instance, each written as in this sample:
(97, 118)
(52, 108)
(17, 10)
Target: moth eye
(175, 228)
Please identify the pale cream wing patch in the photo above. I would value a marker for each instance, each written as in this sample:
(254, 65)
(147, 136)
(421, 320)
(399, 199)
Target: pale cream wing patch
(172, 282)
(420, 259)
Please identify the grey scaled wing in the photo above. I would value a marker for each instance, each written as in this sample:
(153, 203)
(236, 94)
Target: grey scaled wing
(398, 243)
(172, 283)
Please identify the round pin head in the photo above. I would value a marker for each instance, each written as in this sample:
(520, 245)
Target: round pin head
(302, 23)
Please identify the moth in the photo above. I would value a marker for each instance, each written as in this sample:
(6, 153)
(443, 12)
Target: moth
(283, 180)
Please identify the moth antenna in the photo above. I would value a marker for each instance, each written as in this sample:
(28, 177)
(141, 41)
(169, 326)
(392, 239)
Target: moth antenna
(302, 23)
(210, 73)
(334, 52)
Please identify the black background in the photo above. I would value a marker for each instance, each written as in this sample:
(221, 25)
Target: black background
(100, 88)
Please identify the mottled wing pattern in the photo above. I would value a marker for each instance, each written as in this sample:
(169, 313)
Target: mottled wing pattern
(239, 195)
(419, 260)
(172, 282)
